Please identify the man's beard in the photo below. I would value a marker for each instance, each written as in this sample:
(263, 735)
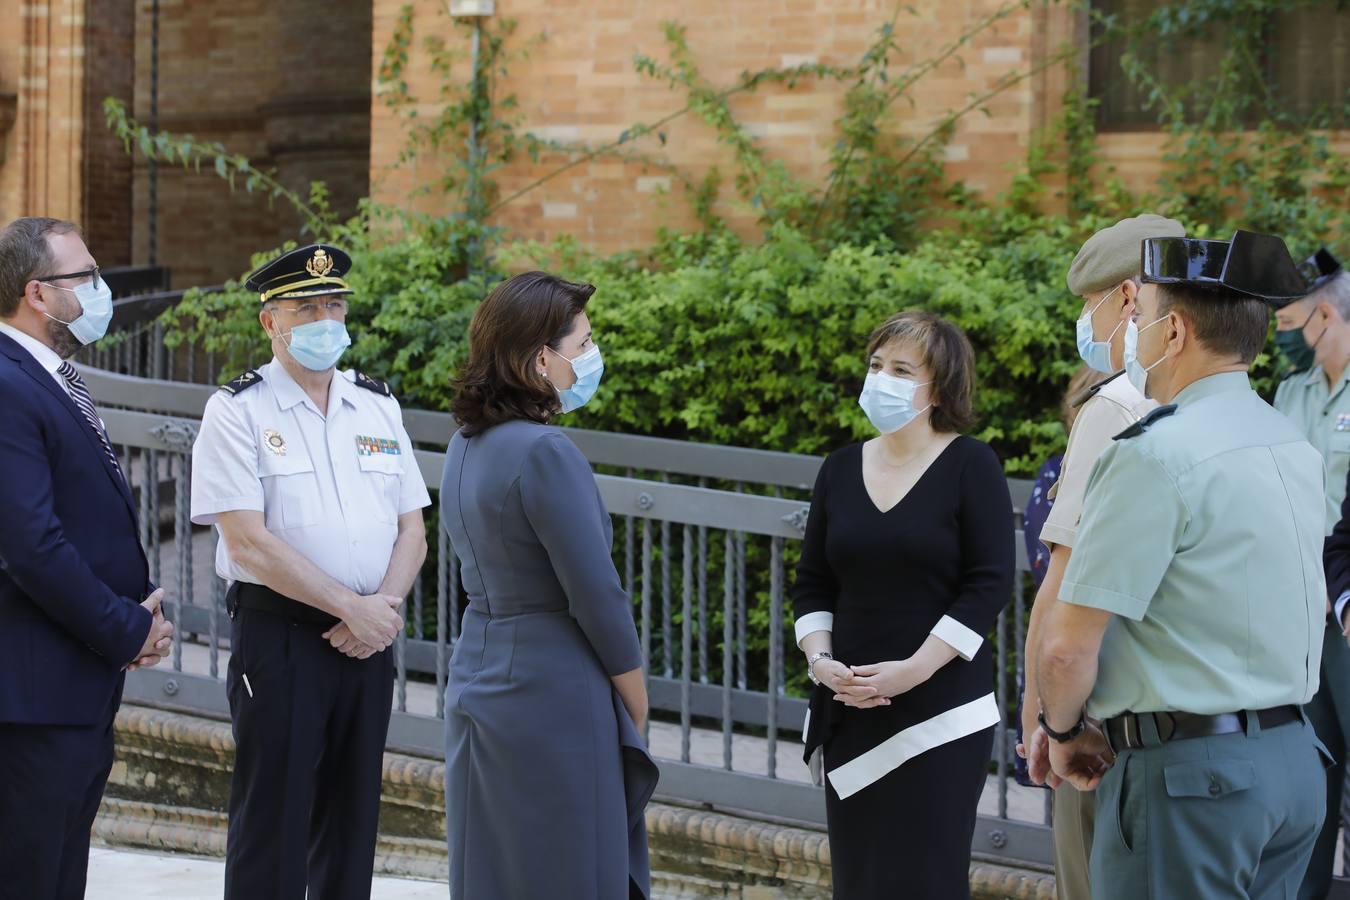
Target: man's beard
(63, 342)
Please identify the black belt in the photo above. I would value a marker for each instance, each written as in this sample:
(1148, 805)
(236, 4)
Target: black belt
(243, 594)
(1123, 732)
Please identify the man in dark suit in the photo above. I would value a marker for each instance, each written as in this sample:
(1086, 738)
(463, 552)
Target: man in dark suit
(74, 610)
(1336, 562)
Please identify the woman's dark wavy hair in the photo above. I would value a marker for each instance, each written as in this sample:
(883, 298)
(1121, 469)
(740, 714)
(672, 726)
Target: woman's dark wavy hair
(499, 382)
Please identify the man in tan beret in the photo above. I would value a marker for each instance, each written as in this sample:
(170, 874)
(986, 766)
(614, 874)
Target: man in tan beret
(1105, 274)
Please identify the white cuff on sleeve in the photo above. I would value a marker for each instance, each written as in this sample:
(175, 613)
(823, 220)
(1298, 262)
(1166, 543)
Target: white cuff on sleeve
(962, 639)
(816, 621)
(1341, 601)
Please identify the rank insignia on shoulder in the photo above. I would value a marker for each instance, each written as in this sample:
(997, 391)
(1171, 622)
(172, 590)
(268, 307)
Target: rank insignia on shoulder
(242, 383)
(1143, 424)
(1086, 395)
(373, 384)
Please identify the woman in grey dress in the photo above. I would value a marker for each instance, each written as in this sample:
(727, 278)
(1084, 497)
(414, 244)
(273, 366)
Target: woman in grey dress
(546, 772)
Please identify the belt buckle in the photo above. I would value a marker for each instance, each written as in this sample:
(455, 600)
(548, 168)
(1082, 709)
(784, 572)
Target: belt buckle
(1132, 741)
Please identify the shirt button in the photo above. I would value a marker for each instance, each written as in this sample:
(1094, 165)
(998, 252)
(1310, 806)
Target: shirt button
(1214, 789)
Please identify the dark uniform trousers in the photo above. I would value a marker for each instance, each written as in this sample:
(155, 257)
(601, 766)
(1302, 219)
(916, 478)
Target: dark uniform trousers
(51, 782)
(309, 729)
(1329, 713)
(1210, 818)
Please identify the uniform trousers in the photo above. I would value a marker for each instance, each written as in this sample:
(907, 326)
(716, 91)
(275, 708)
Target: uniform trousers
(1073, 842)
(309, 729)
(51, 782)
(1228, 817)
(1329, 713)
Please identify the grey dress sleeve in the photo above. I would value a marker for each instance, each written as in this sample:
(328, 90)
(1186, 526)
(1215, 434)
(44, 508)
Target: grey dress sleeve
(558, 492)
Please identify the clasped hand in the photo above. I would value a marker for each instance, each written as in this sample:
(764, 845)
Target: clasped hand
(369, 628)
(159, 640)
(1082, 762)
(864, 687)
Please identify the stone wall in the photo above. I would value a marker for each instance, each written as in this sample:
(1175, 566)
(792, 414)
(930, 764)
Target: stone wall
(41, 171)
(170, 786)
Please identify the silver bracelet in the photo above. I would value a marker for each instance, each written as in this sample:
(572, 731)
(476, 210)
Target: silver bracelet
(811, 664)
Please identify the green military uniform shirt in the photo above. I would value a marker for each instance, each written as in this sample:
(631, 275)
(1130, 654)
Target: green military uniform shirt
(1203, 535)
(1323, 415)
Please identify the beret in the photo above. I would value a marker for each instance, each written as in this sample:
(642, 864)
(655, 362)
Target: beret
(1112, 255)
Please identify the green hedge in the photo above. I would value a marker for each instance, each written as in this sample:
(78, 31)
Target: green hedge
(712, 339)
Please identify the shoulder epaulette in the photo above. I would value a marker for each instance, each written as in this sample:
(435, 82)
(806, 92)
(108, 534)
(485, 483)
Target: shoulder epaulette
(242, 383)
(373, 384)
(1143, 424)
(1089, 393)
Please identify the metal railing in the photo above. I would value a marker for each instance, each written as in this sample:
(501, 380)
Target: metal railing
(705, 537)
(706, 568)
(690, 518)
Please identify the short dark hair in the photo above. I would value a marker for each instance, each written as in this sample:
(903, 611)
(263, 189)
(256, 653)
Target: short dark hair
(25, 255)
(947, 354)
(1225, 322)
(499, 382)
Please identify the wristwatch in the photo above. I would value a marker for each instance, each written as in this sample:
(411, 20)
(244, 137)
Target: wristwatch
(1062, 737)
(811, 664)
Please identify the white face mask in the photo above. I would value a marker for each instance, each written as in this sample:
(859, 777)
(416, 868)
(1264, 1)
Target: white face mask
(889, 401)
(96, 310)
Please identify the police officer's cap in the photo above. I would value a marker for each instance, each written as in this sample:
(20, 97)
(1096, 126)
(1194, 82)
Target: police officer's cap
(1112, 255)
(311, 271)
(1320, 268)
(1251, 264)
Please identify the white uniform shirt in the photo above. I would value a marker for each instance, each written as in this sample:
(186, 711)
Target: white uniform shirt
(331, 487)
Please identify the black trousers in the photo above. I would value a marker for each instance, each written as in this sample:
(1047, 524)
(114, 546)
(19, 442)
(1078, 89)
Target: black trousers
(309, 730)
(51, 782)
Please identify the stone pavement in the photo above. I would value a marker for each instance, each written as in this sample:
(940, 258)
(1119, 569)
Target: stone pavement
(119, 874)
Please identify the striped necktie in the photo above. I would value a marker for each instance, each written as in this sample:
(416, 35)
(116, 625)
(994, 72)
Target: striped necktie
(80, 394)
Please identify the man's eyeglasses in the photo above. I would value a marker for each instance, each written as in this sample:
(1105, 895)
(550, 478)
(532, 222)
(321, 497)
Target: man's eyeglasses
(334, 307)
(77, 276)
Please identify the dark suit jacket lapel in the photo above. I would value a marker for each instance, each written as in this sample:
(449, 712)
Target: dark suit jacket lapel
(44, 379)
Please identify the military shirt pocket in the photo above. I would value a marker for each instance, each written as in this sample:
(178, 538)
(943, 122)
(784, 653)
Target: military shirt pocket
(1339, 441)
(383, 472)
(290, 492)
(1212, 778)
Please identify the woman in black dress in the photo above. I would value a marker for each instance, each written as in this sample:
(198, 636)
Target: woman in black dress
(908, 558)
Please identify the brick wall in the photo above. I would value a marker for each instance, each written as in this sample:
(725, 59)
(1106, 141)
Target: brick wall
(109, 54)
(579, 84)
(287, 85)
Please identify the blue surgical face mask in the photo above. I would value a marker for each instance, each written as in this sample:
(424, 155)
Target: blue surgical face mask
(1097, 354)
(95, 298)
(319, 345)
(889, 401)
(588, 368)
(1136, 371)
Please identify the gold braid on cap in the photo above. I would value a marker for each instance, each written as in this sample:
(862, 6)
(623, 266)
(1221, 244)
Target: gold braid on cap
(297, 285)
(318, 266)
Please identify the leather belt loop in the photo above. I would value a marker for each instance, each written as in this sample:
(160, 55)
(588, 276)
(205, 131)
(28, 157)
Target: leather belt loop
(1150, 735)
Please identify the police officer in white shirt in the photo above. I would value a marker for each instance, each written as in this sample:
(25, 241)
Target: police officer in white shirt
(310, 477)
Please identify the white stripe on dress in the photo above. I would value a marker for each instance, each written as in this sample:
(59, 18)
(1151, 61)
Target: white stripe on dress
(900, 748)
